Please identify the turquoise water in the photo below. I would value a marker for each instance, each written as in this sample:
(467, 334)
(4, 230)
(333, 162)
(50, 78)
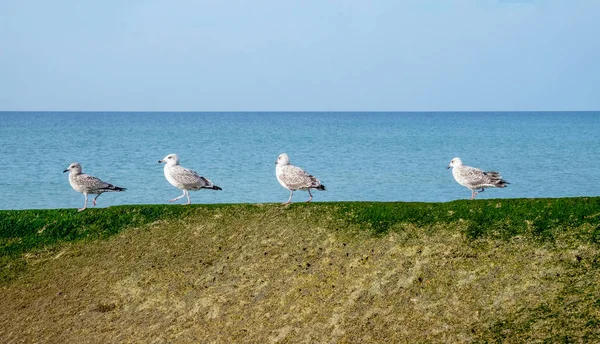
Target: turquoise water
(357, 156)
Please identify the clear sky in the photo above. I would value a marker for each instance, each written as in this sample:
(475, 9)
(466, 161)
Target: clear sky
(300, 55)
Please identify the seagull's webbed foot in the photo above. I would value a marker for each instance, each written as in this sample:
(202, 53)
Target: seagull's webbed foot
(475, 193)
(289, 199)
(81, 209)
(178, 198)
(311, 197)
(95, 198)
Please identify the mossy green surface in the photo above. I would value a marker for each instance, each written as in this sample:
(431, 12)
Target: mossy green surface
(503, 270)
(502, 218)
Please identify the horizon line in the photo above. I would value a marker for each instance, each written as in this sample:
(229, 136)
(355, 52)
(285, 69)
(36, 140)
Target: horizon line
(290, 111)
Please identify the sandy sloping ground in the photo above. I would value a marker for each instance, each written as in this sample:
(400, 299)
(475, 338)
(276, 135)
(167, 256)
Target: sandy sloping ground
(284, 276)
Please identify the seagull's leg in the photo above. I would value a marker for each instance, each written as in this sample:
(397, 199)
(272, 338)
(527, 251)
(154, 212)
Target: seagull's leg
(475, 193)
(289, 199)
(84, 204)
(187, 193)
(176, 198)
(310, 199)
(94, 201)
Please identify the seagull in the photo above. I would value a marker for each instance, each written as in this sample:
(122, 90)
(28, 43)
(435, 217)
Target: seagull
(294, 178)
(184, 178)
(88, 185)
(474, 178)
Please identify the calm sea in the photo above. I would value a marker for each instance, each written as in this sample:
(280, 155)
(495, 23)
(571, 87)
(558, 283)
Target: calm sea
(357, 156)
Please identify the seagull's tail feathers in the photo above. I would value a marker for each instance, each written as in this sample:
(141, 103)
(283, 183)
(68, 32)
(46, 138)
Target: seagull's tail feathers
(496, 179)
(502, 183)
(111, 187)
(315, 183)
(208, 185)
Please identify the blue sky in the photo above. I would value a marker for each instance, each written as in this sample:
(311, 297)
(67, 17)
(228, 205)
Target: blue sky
(283, 55)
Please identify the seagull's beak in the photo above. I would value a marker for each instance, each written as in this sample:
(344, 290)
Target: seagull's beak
(67, 170)
(448, 167)
(159, 161)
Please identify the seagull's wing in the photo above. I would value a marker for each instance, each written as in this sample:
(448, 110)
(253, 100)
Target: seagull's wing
(296, 178)
(476, 178)
(92, 184)
(187, 177)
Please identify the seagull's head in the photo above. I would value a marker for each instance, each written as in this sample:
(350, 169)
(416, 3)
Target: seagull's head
(455, 162)
(74, 168)
(283, 159)
(171, 159)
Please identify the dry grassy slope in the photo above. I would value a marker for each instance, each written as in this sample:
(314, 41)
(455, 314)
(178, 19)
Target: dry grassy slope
(275, 274)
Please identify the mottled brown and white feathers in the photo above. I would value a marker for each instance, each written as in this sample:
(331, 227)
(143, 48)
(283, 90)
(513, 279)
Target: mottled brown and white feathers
(474, 178)
(184, 178)
(293, 177)
(87, 184)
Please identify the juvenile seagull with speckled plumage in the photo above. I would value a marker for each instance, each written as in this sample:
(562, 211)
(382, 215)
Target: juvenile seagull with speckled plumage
(474, 178)
(184, 178)
(88, 185)
(294, 178)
